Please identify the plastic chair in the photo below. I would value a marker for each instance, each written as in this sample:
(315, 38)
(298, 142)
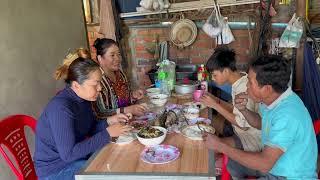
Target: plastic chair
(316, 125)
(12, 135)
(225, 173)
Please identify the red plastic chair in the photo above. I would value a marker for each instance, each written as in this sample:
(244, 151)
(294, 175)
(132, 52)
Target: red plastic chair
(225, 174)
(316, 125)
(12, 135)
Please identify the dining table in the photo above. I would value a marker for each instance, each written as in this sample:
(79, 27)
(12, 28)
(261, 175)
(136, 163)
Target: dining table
(123, 161)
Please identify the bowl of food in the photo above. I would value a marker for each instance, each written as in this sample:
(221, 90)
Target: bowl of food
(151, 135)
(159, 99)
(153, 91)
(191, 113)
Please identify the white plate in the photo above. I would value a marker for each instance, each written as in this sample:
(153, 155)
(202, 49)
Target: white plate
(194, 133)
(126, 139)
(160, 154)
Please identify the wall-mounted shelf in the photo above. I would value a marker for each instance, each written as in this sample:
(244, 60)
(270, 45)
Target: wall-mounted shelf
(189, 6)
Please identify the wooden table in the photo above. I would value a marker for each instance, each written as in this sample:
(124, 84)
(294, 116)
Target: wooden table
(123, 161)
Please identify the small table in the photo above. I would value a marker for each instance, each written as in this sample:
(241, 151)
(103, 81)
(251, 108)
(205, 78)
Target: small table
(123, 161)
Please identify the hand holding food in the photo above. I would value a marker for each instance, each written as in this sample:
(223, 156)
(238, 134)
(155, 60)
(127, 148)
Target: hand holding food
(129, 115)
(137, 109)
(138, 94)
(209, 101)
(241, 101)
(117, 129)
(118, 118)
(212, 142)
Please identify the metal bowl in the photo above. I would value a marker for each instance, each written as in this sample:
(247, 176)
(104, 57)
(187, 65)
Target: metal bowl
(182, 88)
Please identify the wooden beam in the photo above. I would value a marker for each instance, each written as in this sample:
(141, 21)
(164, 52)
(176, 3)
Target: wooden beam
(301, 12)
(188, 6)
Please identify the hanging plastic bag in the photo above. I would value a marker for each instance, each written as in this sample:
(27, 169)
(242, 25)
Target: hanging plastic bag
(226, 36)
(291, 36)
(212, 26)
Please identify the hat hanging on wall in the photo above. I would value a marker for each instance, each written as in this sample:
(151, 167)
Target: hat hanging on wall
(183, 32)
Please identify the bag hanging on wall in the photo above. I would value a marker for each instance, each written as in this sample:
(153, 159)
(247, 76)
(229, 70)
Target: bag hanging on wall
(291, 36)
(226, 36)
(212, 26)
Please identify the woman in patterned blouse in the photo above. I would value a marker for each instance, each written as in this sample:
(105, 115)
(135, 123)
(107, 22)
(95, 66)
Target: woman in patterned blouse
(116, 95)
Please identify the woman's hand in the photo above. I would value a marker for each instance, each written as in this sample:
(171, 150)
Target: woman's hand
(138, 94)
(137, 109)
(129, 115)
(118, 118)
(210, 101)
(117, 129)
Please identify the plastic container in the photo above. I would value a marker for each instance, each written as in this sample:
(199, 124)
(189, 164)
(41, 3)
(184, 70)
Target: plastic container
(167, 76)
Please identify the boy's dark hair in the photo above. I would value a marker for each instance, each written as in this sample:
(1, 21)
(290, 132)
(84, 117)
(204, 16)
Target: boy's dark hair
(272, 70)
(222, 58)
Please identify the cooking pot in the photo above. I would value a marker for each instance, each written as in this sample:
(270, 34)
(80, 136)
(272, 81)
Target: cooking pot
(185, 88)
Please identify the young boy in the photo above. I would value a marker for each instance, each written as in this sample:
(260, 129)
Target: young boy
(222, 66)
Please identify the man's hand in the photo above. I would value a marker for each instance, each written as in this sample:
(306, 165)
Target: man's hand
(240, 101)
(212, 142)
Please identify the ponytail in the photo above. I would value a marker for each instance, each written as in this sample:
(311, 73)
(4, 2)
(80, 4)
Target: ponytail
(62, 71)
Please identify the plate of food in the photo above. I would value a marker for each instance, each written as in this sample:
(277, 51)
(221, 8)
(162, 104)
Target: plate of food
(191, 112)
(200, 120)
(160, 154)
(126, 138)
(194, 132)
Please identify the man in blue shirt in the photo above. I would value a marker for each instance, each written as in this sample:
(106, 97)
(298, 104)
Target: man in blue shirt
(290, 149)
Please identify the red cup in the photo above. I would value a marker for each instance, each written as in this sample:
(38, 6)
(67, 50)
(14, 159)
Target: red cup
(197, 94)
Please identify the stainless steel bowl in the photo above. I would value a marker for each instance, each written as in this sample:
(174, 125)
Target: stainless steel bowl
(182, 88)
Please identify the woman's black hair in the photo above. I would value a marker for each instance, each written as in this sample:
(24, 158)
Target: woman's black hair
(222, 58)
(80, 69)
(272, 70)
(102, 45)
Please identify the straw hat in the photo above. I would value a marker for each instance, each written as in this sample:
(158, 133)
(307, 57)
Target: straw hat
(183, 33)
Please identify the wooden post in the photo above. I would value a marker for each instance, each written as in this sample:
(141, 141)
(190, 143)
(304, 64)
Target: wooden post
(301, 12)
